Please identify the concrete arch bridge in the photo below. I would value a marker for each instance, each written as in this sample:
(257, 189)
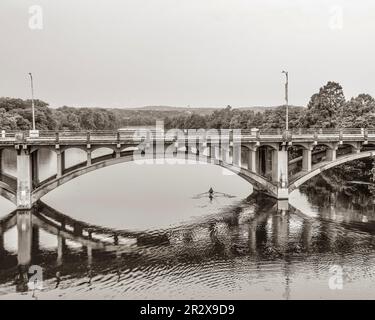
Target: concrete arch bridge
(262, 157)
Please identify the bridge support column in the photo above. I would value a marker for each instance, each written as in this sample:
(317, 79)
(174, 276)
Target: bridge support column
(226, 154)
(306, 160)
(88, 157)
(252, 161)
(209, 151)
(356, 148)
(236, 155)
(230, 155)
(34, 168)
(217, 152)
(280, 172)
(331, 154)
(117, 153)
(60, 163)
(24, 179)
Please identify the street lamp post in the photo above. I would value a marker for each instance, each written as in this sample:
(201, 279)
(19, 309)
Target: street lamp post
(32, 99)
(33, 133)
(286, 100)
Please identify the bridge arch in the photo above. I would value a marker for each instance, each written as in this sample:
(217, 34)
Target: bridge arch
(272, 145)
(128, 148)
(99, 151)
(69, 147)
(74, 159)
(257, 181)
(110, 147)
(8, 154)
(319, 168)
(303, 145)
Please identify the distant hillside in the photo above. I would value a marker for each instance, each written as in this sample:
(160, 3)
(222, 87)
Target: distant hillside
(262, 109)
(202, 110)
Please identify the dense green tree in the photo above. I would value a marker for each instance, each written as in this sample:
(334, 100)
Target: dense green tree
(359, 112)
(325, 109)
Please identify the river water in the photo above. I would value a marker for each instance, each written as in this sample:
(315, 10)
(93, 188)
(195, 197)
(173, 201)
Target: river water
(150, 231)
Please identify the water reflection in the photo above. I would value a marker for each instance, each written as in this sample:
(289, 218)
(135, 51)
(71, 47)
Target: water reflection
(258, 246)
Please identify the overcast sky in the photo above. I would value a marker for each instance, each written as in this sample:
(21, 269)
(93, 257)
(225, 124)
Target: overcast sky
(122, 53)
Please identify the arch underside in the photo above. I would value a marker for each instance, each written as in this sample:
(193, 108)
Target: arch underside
(257, 181)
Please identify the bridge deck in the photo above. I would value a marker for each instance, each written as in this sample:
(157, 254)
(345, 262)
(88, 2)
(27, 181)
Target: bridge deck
(132, 136)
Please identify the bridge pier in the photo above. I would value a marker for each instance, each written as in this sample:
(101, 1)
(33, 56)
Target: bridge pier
(280, 172)
(24, 179)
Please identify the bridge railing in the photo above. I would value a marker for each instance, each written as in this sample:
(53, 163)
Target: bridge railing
(128, 134)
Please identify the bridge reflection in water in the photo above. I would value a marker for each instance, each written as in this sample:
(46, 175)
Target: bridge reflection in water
(259, 228)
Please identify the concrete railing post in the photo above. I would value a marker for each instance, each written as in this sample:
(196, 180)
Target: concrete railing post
(365, 134)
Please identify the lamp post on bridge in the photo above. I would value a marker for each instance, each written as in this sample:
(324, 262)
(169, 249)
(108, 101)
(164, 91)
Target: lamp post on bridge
(33, 133)
(286, 100)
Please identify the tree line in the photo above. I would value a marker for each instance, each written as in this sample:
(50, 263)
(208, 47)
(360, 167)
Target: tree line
(327, 108)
